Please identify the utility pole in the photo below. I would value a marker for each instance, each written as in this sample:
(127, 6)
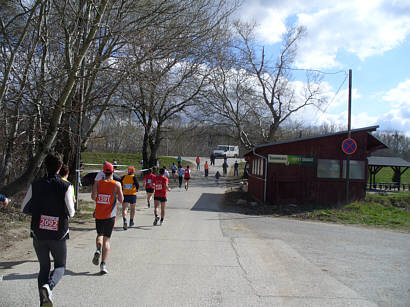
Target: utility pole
(349, 111)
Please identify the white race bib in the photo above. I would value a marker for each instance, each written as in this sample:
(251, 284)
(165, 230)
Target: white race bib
(48, 222)
(104, 199)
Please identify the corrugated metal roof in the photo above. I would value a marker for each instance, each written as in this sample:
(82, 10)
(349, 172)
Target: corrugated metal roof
(387, 161)
(371, 128)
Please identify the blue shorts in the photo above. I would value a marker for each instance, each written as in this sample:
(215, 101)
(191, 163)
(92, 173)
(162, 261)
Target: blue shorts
(131, 199)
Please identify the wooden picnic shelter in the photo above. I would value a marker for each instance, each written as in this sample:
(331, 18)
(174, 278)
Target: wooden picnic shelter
(398, 165)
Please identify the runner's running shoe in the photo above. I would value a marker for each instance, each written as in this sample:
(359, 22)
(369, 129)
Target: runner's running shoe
(131, 223)
(96, 258)
(125, 226)
(103, 268)
(161, 222)
(46, 296)
(156, 221)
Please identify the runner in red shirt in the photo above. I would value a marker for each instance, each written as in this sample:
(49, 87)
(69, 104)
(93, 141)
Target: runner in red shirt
(149, 180)
(187, 176)
(160, 196)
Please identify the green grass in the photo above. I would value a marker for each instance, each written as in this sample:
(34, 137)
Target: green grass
(366, 213)
(390, 210)
(386, 175)
(401, 200)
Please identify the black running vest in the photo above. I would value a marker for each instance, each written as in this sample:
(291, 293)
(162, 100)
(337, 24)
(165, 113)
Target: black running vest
(49, 211)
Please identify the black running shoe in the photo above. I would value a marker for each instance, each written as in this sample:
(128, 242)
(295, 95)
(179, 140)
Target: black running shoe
(156, 221)
(125, 226)
(96, 258)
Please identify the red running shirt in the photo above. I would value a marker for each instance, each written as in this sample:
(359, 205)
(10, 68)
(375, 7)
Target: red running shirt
(149, 181)
(161, 186)
(187, 173)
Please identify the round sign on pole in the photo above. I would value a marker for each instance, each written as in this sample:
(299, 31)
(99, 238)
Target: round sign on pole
(349, 146)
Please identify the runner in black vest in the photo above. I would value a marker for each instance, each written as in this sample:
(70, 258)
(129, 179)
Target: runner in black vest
(50, 203)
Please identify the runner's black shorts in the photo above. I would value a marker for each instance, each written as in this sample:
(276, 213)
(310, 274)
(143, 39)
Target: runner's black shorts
(131, 199)
(105, 227)
(161, 199)
(149, 190)
(186, 178)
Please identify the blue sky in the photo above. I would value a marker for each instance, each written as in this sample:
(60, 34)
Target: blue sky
(371, 37)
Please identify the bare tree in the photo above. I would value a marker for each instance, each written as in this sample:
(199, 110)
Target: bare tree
(256, 95)
(175, 69)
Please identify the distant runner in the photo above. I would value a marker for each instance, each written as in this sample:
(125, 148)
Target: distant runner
(236, 169)
(187, 176)
(160, 196)
(198, 163)
(173, 171)
(181, 173)
(105, 192)
(206, 167)
(130, 188)
(149, 185)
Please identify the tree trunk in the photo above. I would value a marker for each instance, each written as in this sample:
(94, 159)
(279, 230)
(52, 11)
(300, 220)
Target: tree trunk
(35, 164)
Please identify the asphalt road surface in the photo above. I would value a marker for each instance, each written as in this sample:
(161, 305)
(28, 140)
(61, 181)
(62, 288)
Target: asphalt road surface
(202, 256)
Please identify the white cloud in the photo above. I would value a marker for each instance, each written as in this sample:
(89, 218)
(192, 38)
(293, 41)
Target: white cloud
(364, 28)
(398, 118)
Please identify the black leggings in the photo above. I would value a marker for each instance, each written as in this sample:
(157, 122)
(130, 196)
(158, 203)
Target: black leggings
(180, 178)
(58, 250)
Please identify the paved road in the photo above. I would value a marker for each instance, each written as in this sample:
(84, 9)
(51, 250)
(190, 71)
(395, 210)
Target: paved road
(204, 257)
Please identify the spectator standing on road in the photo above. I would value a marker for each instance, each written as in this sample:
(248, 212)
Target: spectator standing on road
(212, 158)
(217, 176)
(160, 196)
(130, 188)
(50, 202)
(198, 163)
(236, 169)
(173, 171)
(149, 180)
(3, 201)
(114, 163)
(105, 192)
(181, 173)
(187, 176)
(225, 168)
(206, 167)
(179, 160)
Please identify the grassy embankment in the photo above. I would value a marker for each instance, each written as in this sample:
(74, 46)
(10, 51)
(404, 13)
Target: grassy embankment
(389, 211)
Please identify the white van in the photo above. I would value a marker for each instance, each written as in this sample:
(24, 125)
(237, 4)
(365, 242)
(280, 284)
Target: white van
(226, 150)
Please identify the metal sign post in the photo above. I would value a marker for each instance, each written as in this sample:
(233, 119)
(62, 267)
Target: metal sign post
(349, 111)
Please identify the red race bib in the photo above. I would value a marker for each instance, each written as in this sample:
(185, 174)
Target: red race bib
(48, 222)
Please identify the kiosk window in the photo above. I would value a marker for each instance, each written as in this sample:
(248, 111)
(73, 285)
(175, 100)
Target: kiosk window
(328, 168)
(356, 169)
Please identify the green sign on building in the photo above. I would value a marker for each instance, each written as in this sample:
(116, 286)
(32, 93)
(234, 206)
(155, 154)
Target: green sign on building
(291, 160)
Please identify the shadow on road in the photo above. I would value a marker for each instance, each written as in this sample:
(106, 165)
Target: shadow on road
(11, 264)
(15, 276)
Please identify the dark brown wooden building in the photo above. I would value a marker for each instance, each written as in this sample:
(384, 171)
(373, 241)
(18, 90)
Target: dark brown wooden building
(311, 170)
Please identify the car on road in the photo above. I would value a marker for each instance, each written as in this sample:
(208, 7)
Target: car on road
(229, 151)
